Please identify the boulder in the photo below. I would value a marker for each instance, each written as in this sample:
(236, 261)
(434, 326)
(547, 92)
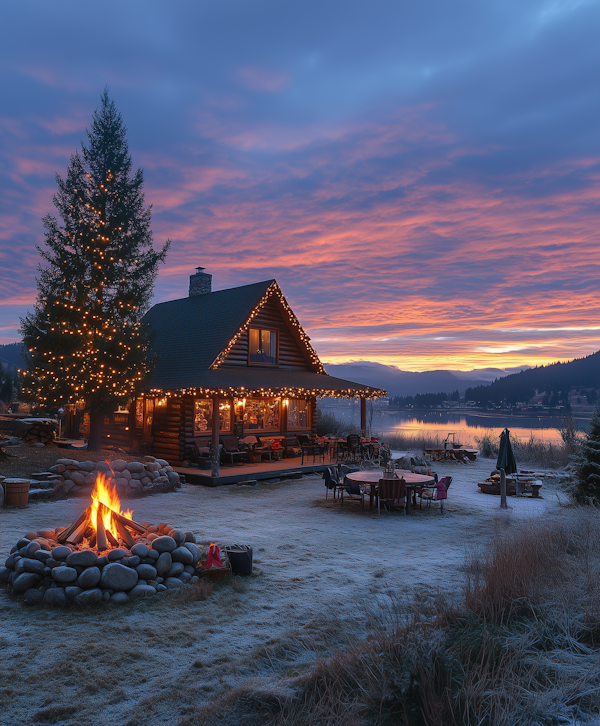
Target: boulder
(32, 565)
(118, 577)
(26, 581)
(61, 552)
(117, 554)
(89, 578)
(33, 596)
(175, 571)
(164, 544)
(84, 558)
(71, 591)
(146, 572)
(32, 548)
(183, 555)
(178, 536)
(118, 465)
(194, 550)
(135, 467)
(140, 550)
(64, 574)
(142, 591)
(89, 597)
(55, 597)
(163, 564)
(173, 478)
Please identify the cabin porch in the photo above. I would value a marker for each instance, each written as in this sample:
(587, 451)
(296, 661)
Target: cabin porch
(283, 469)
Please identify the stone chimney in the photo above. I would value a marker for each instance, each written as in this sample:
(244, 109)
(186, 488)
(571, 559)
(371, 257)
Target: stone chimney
(200, 283)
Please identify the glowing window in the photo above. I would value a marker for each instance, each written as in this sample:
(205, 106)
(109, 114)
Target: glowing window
(261, 414)
(263, 346)
(297, 414)
(203, 408)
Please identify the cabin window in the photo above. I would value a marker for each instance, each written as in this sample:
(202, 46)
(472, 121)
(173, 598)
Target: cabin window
(298, 414)
(203, 409)
(139, 413)
(262, 346)
(261, 414)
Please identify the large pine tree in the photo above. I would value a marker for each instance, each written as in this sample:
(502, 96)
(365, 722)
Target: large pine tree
(587, 461)
(85, 337)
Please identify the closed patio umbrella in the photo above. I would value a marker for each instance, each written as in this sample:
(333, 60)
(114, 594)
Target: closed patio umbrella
(506, 458)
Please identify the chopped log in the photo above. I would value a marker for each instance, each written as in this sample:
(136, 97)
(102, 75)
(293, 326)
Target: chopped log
(77, 536)
(124, 534)
(93, 540)
(111, 538)
(68, 531)
(140, 529)
(101, 541)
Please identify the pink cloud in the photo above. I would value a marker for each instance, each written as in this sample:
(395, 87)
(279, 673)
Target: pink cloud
(263, 79)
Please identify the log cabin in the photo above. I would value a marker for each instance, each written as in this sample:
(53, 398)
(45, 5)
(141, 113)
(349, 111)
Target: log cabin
(233, 361)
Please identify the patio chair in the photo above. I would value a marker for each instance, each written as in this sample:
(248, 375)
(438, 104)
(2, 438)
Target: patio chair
(437, 493)
(354, 448)
(332, 482)
(392, 493)
(198, 457)
(231, 449)
(353, 492)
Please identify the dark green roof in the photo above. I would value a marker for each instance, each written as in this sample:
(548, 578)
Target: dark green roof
(191, 332)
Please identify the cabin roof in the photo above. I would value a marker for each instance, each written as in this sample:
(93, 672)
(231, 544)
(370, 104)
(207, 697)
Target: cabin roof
(193, 333)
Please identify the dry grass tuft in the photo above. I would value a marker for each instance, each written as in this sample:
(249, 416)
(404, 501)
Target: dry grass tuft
(522, 648)
(201, 590)
(238, 584)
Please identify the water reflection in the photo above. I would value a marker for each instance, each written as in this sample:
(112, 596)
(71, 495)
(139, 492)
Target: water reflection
(467, 426)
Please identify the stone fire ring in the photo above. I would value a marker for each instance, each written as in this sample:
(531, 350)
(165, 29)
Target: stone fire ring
(43, 571)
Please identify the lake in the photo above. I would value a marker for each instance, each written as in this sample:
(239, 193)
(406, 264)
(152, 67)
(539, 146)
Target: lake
(466, 426)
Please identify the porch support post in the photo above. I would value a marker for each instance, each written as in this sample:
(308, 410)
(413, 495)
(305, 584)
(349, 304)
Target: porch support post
(215, 420)
(363, 414)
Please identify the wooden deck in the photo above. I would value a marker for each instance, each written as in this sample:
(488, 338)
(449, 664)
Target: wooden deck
(284, 469)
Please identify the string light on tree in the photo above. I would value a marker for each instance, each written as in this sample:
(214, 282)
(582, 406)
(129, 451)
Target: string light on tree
(97, 282)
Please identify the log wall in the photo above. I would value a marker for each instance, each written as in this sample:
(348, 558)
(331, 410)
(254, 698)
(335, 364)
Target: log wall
(290, 352)
(167, 432)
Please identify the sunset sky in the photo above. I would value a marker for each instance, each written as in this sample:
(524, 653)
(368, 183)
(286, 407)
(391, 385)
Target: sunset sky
(422, 178)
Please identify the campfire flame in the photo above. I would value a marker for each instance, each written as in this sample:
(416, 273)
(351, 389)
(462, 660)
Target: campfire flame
(104, 493)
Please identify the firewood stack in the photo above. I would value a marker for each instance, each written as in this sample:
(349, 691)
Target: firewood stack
(43, 431)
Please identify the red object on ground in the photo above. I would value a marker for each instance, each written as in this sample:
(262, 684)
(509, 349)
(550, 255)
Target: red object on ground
(213, 558)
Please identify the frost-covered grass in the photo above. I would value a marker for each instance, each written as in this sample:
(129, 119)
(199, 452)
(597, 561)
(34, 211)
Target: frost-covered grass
(521, 646)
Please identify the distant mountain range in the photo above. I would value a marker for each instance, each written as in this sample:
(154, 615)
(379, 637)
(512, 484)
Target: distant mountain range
(407, 383)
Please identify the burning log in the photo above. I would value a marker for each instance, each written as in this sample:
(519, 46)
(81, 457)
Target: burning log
(124, 534)
(139, 528)
(78, 534)
(68, 531)
(101, 540)
(111, 538)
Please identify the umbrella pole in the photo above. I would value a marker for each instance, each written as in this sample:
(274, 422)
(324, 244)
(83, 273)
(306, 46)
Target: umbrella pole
(503, 504)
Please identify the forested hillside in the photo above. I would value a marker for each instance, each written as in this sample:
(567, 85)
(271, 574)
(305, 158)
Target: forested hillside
(556, 380)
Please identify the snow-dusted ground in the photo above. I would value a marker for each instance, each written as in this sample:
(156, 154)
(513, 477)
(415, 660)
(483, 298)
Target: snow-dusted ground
(318, 567)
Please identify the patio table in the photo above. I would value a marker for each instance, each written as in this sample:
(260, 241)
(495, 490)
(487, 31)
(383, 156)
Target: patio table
(414, 483)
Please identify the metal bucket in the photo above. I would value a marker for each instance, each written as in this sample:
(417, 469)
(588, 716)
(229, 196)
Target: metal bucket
(240, 558)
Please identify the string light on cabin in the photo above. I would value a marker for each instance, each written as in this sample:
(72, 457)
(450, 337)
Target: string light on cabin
(273, 291)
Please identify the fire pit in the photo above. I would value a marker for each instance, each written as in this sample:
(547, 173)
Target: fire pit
(106, 555)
